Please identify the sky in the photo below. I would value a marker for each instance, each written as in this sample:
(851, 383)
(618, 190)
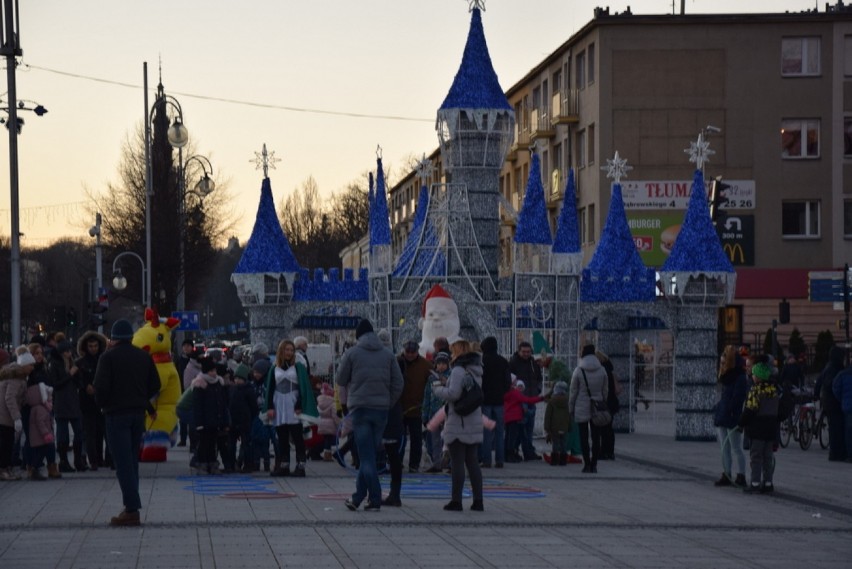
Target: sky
(287, 74)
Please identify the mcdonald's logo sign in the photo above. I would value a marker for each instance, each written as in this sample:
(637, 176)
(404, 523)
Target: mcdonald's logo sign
(731, 249)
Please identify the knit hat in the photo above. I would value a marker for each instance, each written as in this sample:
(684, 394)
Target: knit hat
(207, 364)
(242, 371)
(560, 387)
(364, 326)
(442, 357)
(761, 371)
(26, 359)
(520, 384)
(261, 366)
(122, 330)
(63, 346)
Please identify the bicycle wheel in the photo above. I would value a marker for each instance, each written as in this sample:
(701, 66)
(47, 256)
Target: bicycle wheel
(822, 430)
(806, 430)
(786, 432)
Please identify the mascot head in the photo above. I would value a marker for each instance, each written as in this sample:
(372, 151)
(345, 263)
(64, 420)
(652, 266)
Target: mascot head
(155, 336)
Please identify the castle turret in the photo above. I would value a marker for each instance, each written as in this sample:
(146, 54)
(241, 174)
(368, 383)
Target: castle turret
(533, 239)
(475, 128)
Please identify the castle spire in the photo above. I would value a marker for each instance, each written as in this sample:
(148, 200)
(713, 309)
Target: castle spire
(567, 257)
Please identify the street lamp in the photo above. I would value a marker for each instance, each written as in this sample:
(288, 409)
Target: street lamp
(119, 281)
(201, 190)
(95, 231)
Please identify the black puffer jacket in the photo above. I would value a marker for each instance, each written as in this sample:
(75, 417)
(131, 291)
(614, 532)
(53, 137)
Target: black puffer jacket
(87, 364)
(66, 398)
(496, 378)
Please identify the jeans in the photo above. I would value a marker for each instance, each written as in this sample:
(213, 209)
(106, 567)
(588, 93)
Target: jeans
(414, 428)
(493, 439)
(527, 435)
(124, 437)
(368, 425)
(732, 442)
(462, 455)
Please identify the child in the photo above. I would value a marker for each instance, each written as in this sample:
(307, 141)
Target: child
(557, 422)
(40, 432)
(209, 413)
(243, 408)
(431, 405)
(12, 392)
(513, 414)
(328, 421)
(760, 420)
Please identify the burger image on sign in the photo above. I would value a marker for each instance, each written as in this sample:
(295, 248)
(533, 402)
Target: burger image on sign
(668, 237)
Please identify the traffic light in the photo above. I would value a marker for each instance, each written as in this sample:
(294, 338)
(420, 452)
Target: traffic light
(718, 199)
(72, 318)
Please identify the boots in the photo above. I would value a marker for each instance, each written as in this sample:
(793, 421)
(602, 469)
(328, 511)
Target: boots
(35, 474)
(725, 480)
(563, 458)
(79, 459)
(64, 465)
(554, 458)
(740, 480)
(53, 471)
(280, 469)
(299, 471)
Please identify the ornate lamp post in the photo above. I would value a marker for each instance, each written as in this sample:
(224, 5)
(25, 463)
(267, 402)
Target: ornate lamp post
(201, 190)
(119, 281)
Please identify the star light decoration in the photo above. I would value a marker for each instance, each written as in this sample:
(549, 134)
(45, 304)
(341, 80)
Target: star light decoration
(616, 168)
(699, 152)
(424, 168)
(265, 160)
(475, 4)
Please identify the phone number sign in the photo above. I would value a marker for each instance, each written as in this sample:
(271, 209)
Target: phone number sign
(669, 194)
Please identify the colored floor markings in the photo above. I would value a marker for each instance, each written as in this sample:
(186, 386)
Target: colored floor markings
(234, 487)
(439, 486)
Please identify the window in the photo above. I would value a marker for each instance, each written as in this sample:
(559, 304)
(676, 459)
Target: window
(557, 159)
(847, 137)
(545, 165)
(591, 64)
(800, 219)
(581, 217)
(580, 70)
(591, 224)
(847, 219)
(800, 138)
(536, 98)
(799, 56)
(591, 149)
(557, 81)
(581, 149)
(847, 55)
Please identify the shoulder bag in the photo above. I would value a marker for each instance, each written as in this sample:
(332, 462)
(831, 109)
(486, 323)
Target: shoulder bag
(600, 412)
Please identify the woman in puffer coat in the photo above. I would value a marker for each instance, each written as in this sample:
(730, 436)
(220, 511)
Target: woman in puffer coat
(589, 378)
(462, 435)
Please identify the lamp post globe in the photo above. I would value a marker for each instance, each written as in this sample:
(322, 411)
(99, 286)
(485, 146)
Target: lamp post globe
(205, 185)
(177, 134)
(119, 281)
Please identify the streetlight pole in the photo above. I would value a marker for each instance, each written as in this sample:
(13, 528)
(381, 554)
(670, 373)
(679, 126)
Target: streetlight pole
(149, 186)
(119, 281)
(95, 231)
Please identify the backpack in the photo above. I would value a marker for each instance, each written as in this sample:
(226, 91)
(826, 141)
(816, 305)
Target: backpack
(471, 397)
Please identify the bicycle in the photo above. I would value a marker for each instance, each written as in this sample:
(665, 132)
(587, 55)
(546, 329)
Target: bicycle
(806, 428)
(822, 430)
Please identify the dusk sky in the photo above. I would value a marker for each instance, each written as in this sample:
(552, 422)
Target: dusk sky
(251, 73)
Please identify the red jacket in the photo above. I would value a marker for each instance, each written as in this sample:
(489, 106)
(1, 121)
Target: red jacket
(513, 411)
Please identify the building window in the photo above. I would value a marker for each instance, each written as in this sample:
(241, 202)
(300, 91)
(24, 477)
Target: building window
(847, 219)
(581, 217)
(557, 81)
(591, 223)
(591, 149)
(580, 70)
(799, 56)
(581, 149)
(591, 64)
(800, 138)
(800, 219)
(557, 158)
(847, 55)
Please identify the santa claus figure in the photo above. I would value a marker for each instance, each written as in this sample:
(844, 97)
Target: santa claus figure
(439, 318)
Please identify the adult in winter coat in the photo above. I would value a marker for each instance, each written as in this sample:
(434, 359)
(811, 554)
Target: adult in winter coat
(242, 407)
(462, 434)
(831, 405)
(370, 373)
(842, 387)
(415, 374)
(496, 382)
(612, 403)
(12, 393)
(90, 347)
(589, 382)
(526, 369)
(66, 405)
(209, 413)
(732, 386)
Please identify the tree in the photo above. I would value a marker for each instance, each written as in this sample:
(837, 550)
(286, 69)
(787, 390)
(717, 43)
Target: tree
(796, 344)
(123, 208)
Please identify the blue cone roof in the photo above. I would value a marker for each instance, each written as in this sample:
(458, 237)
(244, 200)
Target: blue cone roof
(475, 85)
(268, 250)
(533, 225)
(697, 248)
(421, 245)
(616, 272)
(379, 217)
(567, 238)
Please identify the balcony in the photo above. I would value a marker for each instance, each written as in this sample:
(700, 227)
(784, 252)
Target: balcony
(541, 125)
(566, 107)
(522, 140)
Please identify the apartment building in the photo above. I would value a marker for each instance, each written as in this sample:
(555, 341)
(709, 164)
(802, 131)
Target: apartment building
(772, 93)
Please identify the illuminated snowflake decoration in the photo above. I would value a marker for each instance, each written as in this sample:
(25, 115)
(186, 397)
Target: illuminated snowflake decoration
(616, 168)
(265, 160)
(424, 168)
(472, 4)
(699, 152)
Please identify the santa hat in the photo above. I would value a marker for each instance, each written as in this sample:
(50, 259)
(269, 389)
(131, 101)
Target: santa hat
(437, 297)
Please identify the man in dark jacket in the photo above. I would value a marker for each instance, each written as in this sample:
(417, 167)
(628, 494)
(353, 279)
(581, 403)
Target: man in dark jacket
(525, 368)
(370, 373)
(830, 404)
(90, 347)
(415, 373)
(496, 381)
(126, 381)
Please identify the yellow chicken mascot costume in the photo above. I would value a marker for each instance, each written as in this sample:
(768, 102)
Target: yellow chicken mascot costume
(161, 432)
